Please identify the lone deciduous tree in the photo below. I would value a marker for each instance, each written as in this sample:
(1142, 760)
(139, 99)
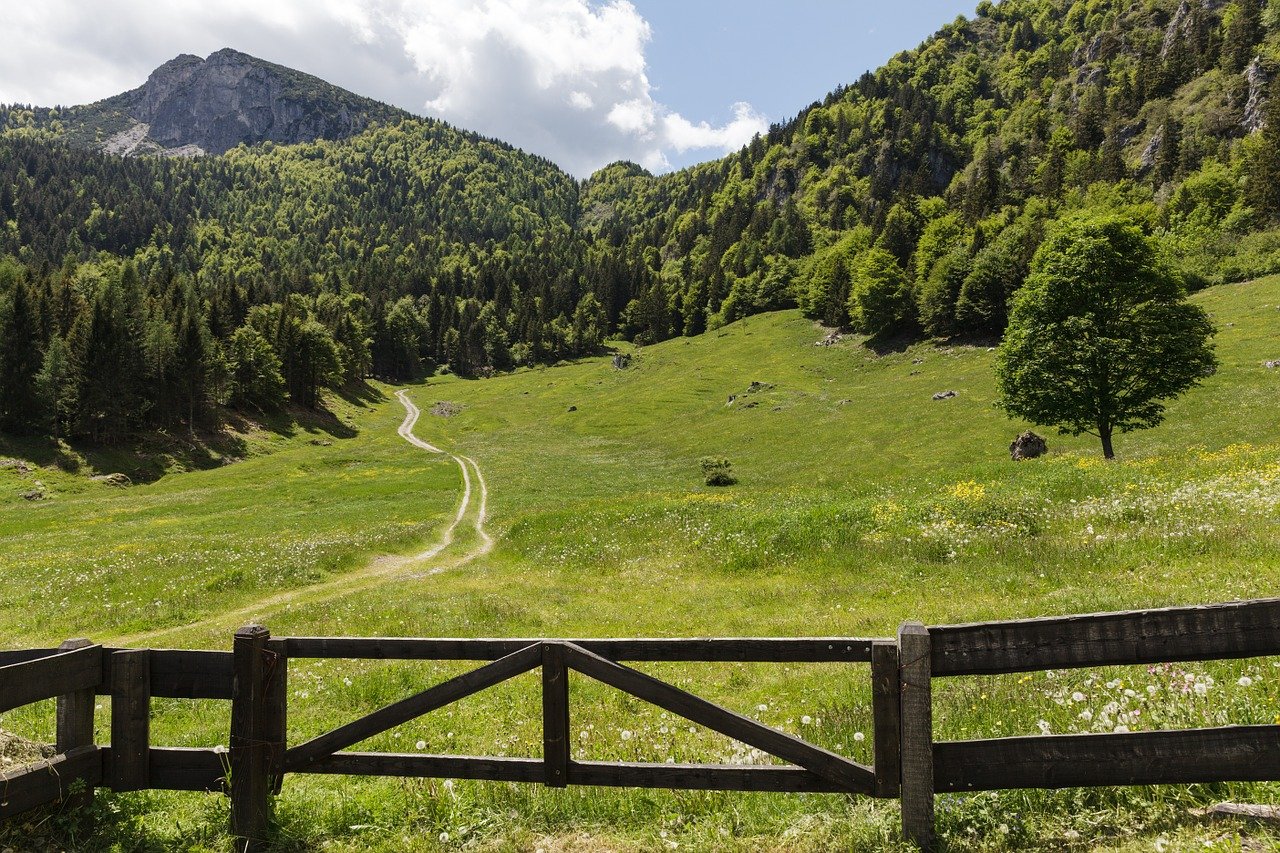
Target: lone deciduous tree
(1101, 335)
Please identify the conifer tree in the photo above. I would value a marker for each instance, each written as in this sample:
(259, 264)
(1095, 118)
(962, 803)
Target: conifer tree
(19, 351)
(1263, 190)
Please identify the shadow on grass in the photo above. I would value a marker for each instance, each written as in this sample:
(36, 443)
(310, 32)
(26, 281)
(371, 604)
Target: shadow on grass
(147, 456)
(897, 342)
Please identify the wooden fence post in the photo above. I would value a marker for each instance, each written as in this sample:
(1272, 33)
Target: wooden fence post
(250, 746)
(916, 673)
(555, 716)
(277, 702)
(75, 718)
(886, 699)
(130, 756)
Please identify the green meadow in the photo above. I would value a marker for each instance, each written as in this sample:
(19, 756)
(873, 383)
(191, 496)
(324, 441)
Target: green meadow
(861, 502)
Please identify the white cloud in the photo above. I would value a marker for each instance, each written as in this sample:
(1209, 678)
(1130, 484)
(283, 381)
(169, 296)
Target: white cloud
(562, 78)
(683, 135)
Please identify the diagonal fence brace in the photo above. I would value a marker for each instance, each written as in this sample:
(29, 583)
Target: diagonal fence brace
(834, 768)
(445, 693)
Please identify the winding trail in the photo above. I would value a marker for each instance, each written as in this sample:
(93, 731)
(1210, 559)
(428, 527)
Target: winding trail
(379, 568)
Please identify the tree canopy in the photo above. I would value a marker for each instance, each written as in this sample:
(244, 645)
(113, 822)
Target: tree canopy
(1101, 336)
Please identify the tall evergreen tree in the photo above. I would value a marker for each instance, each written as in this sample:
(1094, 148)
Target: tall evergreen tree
(19, 351)
(1263, 191)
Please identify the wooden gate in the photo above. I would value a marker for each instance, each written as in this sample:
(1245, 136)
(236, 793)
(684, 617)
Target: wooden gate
(908, 762)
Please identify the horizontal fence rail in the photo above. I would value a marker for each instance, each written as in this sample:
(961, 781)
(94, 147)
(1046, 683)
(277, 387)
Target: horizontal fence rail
(1241, 629)
(908, 763)
(708, 650)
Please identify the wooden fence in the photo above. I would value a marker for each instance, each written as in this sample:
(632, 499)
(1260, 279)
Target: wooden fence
(908, 763)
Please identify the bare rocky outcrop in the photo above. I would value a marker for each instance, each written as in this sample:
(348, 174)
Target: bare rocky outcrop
(191, 106)
(18, 465)
(1147, 160)
(1028, 446)
(1255, 107)
(118, 480)
(1180, 26)
(834, 337)
(445, 409)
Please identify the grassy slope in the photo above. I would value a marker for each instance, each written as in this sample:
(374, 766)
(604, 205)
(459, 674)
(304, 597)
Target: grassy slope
(100, 561)
(850, 517)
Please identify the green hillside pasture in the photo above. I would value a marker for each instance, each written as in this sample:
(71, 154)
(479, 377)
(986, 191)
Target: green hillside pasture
(862, 502)
(93, 560)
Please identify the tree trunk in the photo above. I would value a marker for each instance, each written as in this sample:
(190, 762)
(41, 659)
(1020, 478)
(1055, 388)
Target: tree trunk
(1107, 452)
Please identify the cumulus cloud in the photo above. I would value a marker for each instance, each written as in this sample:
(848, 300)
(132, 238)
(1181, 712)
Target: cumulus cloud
(562, 78)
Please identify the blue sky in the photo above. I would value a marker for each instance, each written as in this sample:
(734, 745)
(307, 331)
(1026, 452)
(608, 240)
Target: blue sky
(665, 83)
(705, 55)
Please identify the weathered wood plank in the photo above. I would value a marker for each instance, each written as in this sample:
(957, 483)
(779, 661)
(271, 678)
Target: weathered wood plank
(250, 752)
(297, 758)
(417, 765)
(710, 777)
(75, 710)
(1229, 754)
(277, 709)
(702, 777)
(1213, 632)
(555, 715)
(886, 707)
(9, 657)
(852, 776)
(916, 690)
(46, 677)
(51, 781)
(188, 769)
(183, 674)
(127, 760)
(75, 720)
(709, 650)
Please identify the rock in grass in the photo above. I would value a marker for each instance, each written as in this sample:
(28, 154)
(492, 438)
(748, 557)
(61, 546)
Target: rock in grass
(118, 480)
(831, 339)
(944, 395)
(1271, 365)
(445, 409)
(1248, 811)
(1028, 446)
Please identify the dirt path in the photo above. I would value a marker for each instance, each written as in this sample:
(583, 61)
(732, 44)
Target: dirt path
(474, 502)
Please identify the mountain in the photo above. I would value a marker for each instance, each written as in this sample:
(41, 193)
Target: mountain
(191, 106)
(924, 187)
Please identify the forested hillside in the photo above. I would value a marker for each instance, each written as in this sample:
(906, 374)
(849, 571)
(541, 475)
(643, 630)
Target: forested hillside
(145, 292)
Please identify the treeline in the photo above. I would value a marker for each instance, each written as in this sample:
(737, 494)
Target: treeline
(910, 202)
(913, 200)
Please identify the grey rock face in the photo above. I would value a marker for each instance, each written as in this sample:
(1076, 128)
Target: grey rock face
(1258, 80)
(230, 98)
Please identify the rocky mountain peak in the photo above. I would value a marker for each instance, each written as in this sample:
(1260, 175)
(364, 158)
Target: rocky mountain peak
(191, 105)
